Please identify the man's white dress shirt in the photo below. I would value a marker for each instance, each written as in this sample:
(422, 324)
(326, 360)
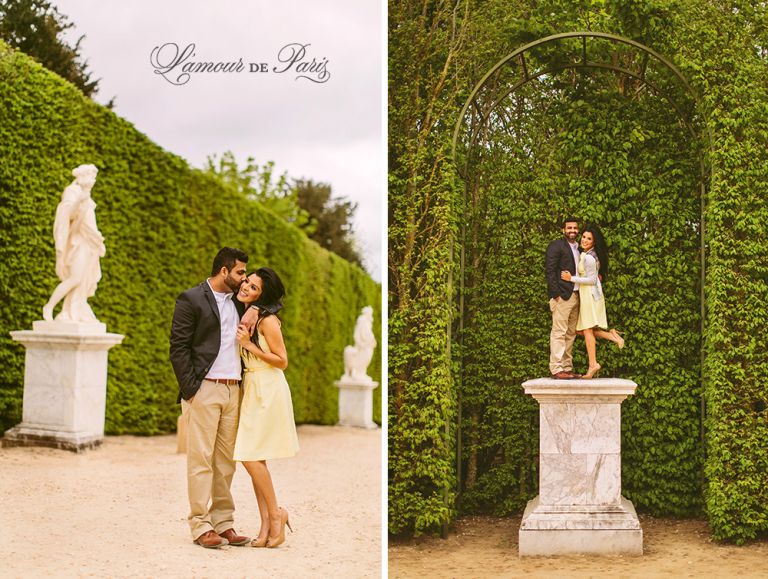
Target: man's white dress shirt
(227, 363)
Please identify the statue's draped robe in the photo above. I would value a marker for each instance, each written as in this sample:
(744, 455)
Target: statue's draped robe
(79, 245)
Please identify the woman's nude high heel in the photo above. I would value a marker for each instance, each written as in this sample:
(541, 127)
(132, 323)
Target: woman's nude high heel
(592, 372)
(617, 338)
(259, 542)
(273, 542)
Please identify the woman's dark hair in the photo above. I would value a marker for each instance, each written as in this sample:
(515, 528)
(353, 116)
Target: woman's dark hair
(272, 292)
(600, 248)
(272, 288)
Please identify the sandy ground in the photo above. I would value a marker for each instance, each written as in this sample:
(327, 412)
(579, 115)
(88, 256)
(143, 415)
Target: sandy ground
(120, 511)
(487, 547)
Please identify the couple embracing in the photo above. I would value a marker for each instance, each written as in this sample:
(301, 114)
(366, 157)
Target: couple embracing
(576, 301)
(213, 353)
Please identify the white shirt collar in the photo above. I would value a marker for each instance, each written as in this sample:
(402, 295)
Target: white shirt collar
(219, 295)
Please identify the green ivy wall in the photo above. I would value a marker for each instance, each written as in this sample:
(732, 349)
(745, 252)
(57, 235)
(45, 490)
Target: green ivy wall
(693, 436)
(163, 222)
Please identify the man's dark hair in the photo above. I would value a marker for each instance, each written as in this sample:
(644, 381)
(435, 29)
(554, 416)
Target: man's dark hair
(227, 257)
(570, 220)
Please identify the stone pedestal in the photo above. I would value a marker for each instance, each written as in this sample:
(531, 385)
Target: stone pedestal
(356, 402)
(580, 509)
(65, 385)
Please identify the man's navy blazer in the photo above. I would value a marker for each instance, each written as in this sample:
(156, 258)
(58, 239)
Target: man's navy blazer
(559, 258)
(195, 337)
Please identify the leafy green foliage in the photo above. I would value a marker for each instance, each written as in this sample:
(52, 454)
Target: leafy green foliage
(422, 218)
(605, 147)
(259, 183)
(162, 222)
(724, 52)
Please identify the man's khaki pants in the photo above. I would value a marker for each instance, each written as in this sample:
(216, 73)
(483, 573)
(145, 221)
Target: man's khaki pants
(565, 315)
(211, 430)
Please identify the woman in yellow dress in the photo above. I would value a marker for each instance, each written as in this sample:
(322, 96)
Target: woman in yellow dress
(266, 429)
(592, 319)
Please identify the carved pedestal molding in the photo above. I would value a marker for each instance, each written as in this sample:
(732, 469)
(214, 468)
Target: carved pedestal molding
(580, 508)
(65, 385)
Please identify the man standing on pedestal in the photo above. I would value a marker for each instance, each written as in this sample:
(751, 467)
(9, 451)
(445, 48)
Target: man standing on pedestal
(206, 362)
(563, 255)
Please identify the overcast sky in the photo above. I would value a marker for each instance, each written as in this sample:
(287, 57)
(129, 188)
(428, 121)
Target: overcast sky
(326, 131)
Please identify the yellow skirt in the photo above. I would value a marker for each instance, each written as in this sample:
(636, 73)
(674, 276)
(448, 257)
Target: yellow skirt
(266, 429)
(591, 311)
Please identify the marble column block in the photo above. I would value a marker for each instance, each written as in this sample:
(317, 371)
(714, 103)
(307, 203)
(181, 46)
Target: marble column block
(65, 385)
(356, 402)
(580, 508)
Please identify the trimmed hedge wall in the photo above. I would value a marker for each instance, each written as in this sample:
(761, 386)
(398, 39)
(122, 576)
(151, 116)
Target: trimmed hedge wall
(724, 50)
(423, 190)
(163, 222)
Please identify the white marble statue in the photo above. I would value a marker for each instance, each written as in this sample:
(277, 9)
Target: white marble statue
(357, 357)
(79, 245)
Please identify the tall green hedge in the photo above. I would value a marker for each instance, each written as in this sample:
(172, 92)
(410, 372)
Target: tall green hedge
(583, 143)
(163, 222)
(724, 50)
(422, 192)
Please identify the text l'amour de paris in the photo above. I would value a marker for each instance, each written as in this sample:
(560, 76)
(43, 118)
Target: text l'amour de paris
(177, 65)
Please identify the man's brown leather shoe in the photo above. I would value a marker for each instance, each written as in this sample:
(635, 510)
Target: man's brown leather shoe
(234, 539)
(573, 375)
(562, 375)
(210, 540)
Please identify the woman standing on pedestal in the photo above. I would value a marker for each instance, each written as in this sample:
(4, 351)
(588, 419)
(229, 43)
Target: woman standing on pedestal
(592, 319)
(266, 429)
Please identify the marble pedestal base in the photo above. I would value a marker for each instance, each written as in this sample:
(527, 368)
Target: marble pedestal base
(580, 509)
(65, 385)
(356, 403)
(548, 530)
(23, 435)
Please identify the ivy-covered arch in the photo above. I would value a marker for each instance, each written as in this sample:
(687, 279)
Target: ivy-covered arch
(615, 139)
(500, 475)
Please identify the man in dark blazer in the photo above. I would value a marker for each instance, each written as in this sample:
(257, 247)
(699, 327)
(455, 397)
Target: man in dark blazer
(563, 255)
(206, 362)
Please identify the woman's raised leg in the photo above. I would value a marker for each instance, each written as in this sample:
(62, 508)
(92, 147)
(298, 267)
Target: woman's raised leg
(611, 336)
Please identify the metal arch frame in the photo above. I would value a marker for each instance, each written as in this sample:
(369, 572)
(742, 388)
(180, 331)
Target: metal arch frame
(584, 63)
(554, 70)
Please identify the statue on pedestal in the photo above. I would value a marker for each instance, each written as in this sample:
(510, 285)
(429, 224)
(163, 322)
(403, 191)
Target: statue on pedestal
(355, 386)
(357, 357)
(65, 365)
(79, 246)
